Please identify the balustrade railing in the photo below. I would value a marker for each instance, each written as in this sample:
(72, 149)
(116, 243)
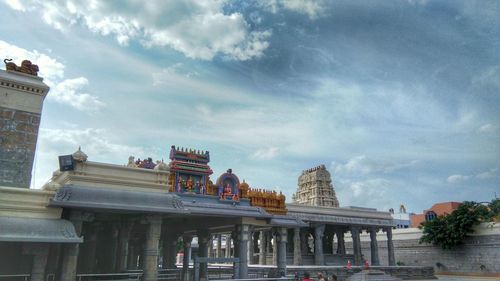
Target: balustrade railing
(109, 276)
(15, 277)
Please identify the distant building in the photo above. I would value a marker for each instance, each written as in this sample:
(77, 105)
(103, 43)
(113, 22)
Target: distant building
(438, 209)
(315, 188)
(401, 219)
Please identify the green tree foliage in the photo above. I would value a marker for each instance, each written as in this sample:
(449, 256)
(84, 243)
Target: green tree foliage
(495, 209)
(450, 230)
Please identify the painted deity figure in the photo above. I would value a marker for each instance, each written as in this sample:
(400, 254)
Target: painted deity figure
(189, 184)
(227, 189)
(179, 184)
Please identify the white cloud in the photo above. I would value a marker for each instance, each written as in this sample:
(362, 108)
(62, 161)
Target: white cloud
(69, 92)
(456, 179)
(174, 71)
(15, 4)
(265, 153)
(487, 128)
(65, 91)
(487, 175)
(312, 8)
(363, 165)
(366, 193)
(198, 29)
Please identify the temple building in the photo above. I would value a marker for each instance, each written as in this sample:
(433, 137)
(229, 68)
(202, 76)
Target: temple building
(96, 220)
(315, 188)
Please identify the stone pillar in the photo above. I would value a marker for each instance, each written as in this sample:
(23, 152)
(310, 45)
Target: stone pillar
(123, 245)
(204, 239)
(153, 232)
(218, 249)
(228, 246)
(169, 247)
(242, 237)
(275, 246)
(340, 242)
(319, 257)
(250, 245)
(113, 247)
(131, 259)
(297, 253)
(187, 256)
(88, 260)
(356, 244)
(262, 247)
(390, 247)
(40, 253)
(304, 241)
(70, 251)
(236, 241)
(374, 246)
(282, 236)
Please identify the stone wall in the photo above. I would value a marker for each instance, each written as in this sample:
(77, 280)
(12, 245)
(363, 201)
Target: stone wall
(342, 273)
(18, 135)
(479, 255)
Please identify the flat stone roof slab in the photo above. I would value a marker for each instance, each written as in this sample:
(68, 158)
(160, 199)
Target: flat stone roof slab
(37, 230)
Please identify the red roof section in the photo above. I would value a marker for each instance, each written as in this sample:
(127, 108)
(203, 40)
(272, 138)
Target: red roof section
(441, 209)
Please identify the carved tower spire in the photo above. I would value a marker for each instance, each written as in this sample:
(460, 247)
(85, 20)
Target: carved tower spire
(315, 188)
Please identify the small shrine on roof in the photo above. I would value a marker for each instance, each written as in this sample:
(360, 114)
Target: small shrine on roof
(190, 175)
(189, 171)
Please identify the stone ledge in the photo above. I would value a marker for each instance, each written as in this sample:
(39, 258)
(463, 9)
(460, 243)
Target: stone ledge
(27, 203)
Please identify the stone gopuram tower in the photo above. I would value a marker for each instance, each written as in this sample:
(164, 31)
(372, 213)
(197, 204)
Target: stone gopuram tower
(315, 188)
(21, 98)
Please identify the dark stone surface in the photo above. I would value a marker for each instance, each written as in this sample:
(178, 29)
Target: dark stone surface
(18, 135)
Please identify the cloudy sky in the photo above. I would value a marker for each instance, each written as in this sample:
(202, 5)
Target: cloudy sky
(399, 99)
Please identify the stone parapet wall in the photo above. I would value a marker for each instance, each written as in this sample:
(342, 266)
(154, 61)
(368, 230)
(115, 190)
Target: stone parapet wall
(342, 273)
(479, 255)
(27, 203)
(92, 174)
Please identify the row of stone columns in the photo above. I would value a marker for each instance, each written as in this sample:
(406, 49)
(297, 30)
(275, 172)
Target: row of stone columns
(356, 243)
(242, 238)
(123, 255)
(300, 241)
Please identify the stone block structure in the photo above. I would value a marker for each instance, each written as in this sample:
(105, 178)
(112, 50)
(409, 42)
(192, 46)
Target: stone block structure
(21, 100)
(315, 188)
(479, 255)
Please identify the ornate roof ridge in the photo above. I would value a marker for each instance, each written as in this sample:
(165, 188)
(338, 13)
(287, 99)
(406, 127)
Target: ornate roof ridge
(319, 167)
(189, 150)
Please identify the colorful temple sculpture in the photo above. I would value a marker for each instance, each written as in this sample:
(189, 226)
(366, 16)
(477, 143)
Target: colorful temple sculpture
(228, 186)
(190, 174)
(189, 171)
(271, 201)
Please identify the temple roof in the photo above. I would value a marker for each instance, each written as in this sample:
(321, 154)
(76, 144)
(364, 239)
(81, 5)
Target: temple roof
(106, 199)
(345, 216)
(37, 230)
